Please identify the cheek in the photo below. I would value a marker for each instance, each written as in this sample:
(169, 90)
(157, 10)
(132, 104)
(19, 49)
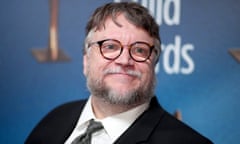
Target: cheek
(148, 73)
(93, 65)
(85, 64)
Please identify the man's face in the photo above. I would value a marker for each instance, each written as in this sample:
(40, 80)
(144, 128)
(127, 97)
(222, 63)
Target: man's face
(123, 80)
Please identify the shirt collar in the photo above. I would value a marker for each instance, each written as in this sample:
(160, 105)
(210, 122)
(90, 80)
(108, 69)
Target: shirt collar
(114, 125)
(117, 124)
(87, 113)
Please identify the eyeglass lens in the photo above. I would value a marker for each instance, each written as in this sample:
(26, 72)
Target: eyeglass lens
(112, 49)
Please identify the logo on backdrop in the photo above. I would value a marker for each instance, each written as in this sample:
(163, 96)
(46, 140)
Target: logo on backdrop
(176, 58)
(52, 53)
(235, 53)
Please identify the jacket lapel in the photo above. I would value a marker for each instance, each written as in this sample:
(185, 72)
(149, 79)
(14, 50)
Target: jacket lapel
(142, 128)
(70, 119)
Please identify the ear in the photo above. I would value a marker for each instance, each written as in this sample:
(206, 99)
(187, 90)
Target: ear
(85, 62)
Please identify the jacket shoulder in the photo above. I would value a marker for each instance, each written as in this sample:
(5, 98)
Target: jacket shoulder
(171, 130)
(156, 126)
(57, 125)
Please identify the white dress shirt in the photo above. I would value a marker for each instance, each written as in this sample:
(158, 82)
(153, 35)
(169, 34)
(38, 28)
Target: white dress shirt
(114, 126)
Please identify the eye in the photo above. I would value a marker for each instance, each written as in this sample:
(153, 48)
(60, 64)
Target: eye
(140, 50)
(110, 46)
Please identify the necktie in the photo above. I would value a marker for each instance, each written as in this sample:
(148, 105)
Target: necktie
(86, 137)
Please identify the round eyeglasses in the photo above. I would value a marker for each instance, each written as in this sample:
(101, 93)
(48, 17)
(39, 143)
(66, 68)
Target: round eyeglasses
(111, 49)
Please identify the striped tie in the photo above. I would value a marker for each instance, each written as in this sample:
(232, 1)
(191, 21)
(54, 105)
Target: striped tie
(86, 137)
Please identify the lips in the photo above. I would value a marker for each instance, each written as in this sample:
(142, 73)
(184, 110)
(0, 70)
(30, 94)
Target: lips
(119, 72)
(120, 78)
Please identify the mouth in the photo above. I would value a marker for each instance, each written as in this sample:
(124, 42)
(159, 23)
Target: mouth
(120, 76)
(128, 73)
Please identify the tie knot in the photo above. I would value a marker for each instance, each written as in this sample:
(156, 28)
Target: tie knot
(94, 126)
(86, 137)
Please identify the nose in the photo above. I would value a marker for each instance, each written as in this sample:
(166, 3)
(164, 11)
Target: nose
(125, 58)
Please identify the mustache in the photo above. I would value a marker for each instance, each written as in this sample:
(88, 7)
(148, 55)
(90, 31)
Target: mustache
(119, 70)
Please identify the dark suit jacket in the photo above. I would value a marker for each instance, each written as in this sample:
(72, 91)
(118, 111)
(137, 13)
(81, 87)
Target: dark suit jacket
(154, 126)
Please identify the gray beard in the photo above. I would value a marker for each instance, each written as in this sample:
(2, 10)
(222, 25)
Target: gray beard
(135, 96)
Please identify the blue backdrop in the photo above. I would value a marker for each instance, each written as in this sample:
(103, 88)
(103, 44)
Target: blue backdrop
(196, 73)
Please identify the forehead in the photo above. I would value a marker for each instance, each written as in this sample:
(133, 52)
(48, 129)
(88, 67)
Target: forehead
(123, 31)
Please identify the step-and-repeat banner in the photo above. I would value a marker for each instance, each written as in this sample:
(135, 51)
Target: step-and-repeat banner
(198, 74)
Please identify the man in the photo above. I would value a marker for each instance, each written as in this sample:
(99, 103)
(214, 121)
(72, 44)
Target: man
(122, 47)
